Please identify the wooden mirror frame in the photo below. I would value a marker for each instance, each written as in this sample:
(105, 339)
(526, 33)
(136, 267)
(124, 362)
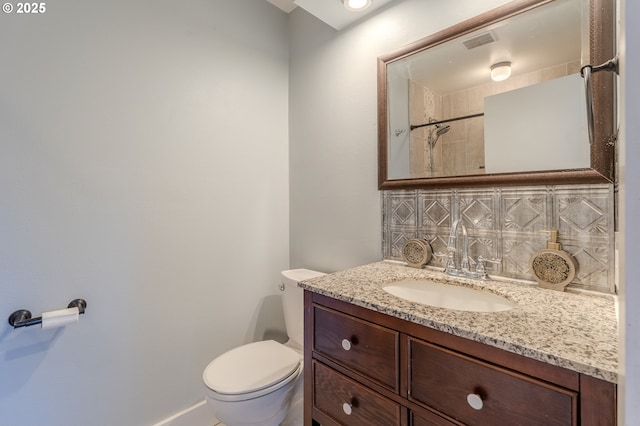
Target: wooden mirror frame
(601, 49)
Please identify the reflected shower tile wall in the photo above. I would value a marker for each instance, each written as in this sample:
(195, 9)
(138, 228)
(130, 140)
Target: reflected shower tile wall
(509, 223)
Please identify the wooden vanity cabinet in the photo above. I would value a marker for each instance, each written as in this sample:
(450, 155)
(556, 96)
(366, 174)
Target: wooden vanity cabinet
(366, 368)
(359, 345)
(348, 402)
(445, 380)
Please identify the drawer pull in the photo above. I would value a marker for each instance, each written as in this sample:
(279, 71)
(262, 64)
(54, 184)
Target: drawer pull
(347, 408)
(346, 344)
(475, 401)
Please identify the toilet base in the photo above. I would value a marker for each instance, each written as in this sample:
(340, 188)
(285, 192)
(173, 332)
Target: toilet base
(267, 410)
(295, 414)
(276, 420)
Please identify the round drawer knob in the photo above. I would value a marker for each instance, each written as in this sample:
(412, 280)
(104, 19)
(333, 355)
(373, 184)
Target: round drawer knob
(347, 408)
(475, 401)
(346, 344)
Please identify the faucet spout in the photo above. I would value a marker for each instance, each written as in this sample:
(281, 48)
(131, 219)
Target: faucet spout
(452, 250)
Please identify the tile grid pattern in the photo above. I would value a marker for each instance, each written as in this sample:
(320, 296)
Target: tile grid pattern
(508, 223)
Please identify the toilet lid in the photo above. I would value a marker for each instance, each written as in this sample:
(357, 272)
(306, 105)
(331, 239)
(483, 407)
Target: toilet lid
(251, 367)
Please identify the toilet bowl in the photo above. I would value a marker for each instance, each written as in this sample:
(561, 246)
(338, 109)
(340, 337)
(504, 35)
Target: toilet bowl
(253, 384)
(260, 383)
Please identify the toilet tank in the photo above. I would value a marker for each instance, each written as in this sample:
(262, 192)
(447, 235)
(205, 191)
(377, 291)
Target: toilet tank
(293, 303)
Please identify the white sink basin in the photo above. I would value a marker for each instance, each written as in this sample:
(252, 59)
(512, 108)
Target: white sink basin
(447, 296)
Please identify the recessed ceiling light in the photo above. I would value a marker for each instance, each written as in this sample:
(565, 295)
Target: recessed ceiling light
(356, 5)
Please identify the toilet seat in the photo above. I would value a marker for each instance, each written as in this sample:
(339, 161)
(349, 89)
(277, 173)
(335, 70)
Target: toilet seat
(251, 370)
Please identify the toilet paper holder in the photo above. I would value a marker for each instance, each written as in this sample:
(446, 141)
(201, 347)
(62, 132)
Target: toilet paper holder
(23, 317)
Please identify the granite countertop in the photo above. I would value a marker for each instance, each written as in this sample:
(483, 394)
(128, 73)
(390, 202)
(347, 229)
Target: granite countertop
(577, 331)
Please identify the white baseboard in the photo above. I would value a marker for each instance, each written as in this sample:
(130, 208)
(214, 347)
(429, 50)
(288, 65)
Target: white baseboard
(197, 415)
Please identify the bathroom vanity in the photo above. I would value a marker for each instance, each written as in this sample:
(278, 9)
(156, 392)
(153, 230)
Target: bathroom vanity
(375, 359)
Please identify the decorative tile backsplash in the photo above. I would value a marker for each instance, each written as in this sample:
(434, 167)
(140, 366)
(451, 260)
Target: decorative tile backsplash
(509, 223)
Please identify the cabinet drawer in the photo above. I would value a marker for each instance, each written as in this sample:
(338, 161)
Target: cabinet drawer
(428, 419)
(359, 345)
(443, 379)
(368, 408)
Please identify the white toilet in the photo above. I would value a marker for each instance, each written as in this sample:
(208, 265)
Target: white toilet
(260, 383)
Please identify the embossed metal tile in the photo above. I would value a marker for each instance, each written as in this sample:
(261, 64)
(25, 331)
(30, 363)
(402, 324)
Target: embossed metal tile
(434, 208)
(476, 208)
(584, 211)
(525, 209)
(399, 216)
(402, 208)
(509, 224)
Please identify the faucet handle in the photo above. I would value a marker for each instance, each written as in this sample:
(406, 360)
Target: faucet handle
(467, 263)
(481, 266)
(450, 264)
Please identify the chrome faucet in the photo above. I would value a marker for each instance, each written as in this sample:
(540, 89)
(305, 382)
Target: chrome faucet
(466, 268)
(452, 251)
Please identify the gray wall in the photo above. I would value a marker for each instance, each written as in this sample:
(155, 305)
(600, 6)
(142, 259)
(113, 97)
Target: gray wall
(144, 167)
(335, 204)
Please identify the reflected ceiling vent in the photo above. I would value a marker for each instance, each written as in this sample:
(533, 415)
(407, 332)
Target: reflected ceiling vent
(482, 39)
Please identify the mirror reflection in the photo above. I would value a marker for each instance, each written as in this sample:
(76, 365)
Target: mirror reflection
(505, 98)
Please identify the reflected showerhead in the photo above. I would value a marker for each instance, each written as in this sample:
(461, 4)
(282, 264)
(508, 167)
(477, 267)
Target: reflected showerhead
(441, 130)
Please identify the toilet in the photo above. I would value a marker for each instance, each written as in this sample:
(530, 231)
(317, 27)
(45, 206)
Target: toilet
(260, 383)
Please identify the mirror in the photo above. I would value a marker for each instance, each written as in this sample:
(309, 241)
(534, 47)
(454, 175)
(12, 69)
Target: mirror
(443, 121)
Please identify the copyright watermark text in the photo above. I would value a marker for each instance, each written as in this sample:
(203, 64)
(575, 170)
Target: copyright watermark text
(24, 8)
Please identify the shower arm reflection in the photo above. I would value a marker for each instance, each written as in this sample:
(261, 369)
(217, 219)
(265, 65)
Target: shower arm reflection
(448, 120)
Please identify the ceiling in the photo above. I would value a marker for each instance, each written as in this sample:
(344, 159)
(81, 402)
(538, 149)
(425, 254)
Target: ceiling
(548, 35)
(543, 37)
(286, 5)
(331, 12)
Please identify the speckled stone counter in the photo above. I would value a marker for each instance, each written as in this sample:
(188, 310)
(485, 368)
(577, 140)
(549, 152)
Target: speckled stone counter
(576, 331)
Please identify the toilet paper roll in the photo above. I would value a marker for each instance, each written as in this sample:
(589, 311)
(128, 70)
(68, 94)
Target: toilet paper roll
(60, 318)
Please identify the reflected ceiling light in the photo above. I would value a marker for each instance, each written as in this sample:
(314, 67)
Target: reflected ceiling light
(501, 71)
(356, 5)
